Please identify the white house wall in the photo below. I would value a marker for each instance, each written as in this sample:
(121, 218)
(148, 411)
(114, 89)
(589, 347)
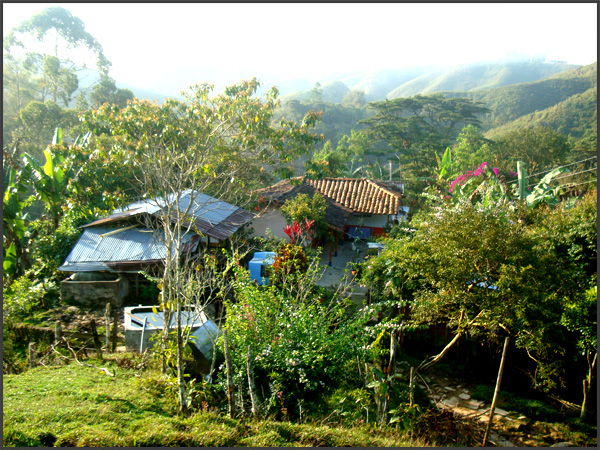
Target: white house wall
(273, 219)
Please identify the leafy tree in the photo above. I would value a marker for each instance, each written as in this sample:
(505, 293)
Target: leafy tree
(303, 208)
(540, 148)
(61, 23)
(478, 271)
(106, 91)
(471, 148)
(316, 92)
(55, 81)
(419, 127)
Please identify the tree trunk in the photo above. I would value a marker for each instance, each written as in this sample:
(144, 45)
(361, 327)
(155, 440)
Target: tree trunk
(229, 368)
(500, 371)
(251, 385)
(587, 384)
(182, 397)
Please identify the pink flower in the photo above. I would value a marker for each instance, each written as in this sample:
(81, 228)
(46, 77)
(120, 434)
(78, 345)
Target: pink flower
(496, 171)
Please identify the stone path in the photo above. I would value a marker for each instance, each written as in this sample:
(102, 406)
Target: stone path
(454, 395)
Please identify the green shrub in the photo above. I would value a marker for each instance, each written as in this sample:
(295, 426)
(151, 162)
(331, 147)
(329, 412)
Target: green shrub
(303, 347)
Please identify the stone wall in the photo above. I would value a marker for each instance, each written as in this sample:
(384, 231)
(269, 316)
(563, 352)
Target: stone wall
(95, 294)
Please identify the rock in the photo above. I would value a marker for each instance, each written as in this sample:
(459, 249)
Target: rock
(500, 412)
(472, 404)
(71, 310)
(449, 388)
(452, 402)
(464, 396)
(564, 444)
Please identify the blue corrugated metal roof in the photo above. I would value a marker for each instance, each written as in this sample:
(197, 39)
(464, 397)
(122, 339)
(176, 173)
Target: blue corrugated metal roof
(211, 216)
(98, 246)
(203, 206)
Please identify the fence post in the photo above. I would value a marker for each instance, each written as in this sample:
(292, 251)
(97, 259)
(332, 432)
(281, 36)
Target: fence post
(113, 345)
(58, 333)
(31, 349)
(96, 339)
(107, 327)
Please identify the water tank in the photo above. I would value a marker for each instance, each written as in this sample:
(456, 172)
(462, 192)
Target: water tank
(257, 266)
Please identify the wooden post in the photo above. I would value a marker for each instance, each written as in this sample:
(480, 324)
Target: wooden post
(489, 425)
(58, 333)
(412, 386)
(97, 343)
(142, 338)
(107, 327)
(229, 368)
(251, 385)
(113, 344)
(31, 349)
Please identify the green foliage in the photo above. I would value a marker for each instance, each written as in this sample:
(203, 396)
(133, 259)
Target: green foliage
(28, 294)
(106, 91)
(418, 127)
(303, 208)
(303, 346)
(540, 148)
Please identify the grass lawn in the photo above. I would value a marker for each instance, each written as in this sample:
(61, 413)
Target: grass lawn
(76, 405)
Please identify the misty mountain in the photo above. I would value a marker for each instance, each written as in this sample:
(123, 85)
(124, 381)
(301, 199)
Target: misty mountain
(411, 81)
(478, 76)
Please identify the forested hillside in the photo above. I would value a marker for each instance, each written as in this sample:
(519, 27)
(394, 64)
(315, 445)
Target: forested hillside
(478, 76)
(508, 103)
(576, 116)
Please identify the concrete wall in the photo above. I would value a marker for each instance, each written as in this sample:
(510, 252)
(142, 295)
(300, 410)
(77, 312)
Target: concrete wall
(271, 218)
(95, 294)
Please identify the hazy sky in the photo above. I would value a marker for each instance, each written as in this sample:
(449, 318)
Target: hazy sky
(165, 47)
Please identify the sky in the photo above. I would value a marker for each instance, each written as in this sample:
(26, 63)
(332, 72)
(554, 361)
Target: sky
(166, 47)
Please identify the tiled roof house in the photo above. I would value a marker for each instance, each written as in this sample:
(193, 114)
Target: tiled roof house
(357, 207)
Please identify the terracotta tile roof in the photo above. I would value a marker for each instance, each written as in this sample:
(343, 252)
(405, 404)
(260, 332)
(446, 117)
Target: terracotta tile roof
(358, 195)
(335, 213)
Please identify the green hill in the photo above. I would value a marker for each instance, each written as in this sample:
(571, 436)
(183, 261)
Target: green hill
(576, 116)
(477, 76)
(508, 103)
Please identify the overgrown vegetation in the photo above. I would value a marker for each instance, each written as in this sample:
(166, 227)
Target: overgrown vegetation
(490, 252)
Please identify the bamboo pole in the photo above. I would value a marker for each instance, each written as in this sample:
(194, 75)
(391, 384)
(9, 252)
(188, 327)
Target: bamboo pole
(500, 371)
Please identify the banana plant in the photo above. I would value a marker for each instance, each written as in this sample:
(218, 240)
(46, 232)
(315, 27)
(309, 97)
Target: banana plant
(14, 226)
(444, 170)
(50, 179)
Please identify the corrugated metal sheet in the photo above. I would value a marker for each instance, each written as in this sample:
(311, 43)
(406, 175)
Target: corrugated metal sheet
(108, 248)
(212, 217)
